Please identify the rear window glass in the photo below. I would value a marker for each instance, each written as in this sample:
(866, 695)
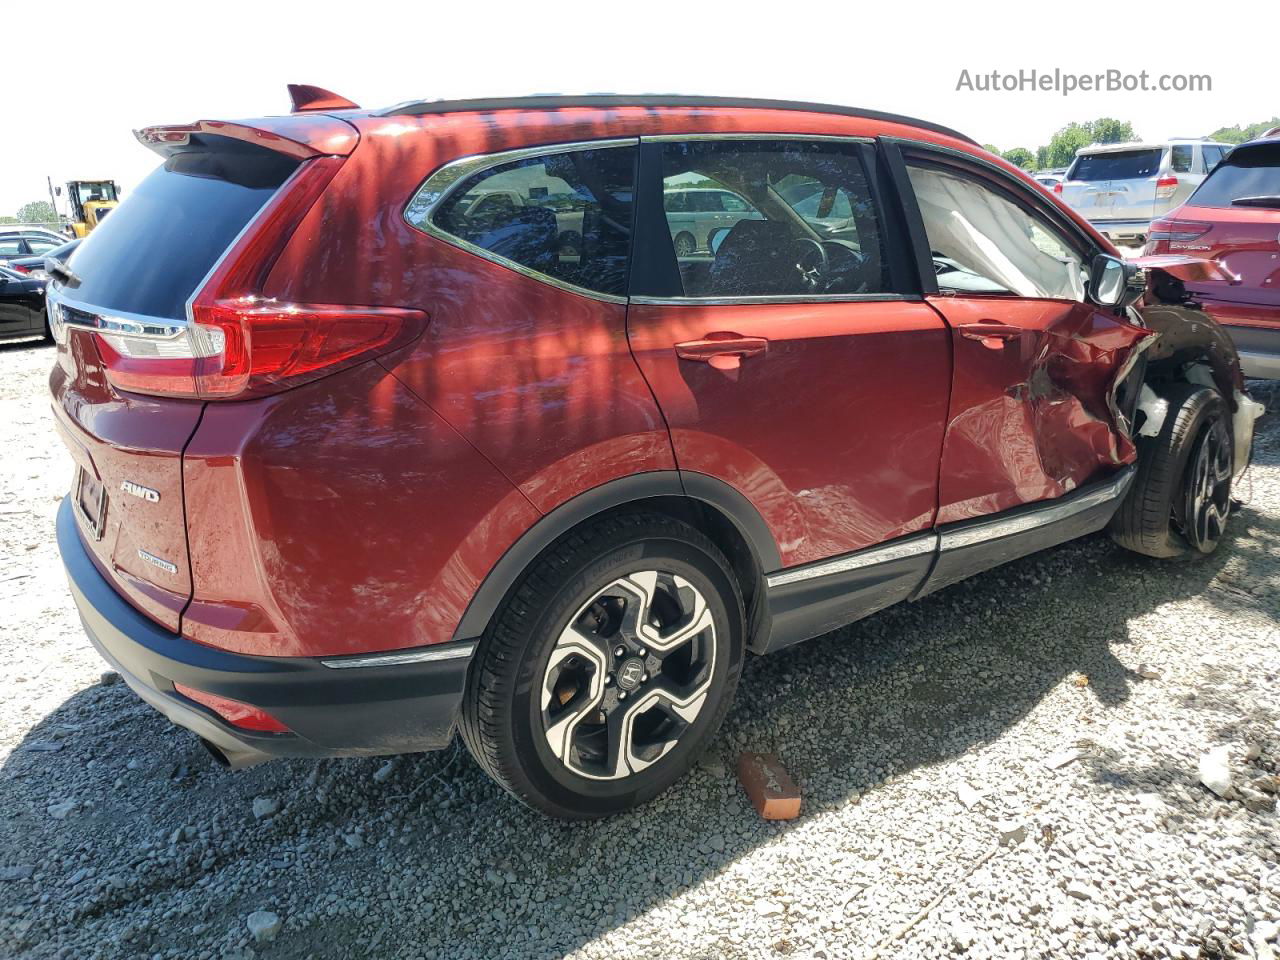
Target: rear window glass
(1248, 173)
(1121, 165)
(150, 255)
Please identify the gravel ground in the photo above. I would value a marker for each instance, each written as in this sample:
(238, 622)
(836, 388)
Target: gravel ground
(1008, 768)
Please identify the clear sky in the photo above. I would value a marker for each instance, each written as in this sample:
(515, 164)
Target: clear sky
(80, 84)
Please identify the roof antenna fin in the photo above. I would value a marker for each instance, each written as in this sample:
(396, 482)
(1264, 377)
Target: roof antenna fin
(307, 97)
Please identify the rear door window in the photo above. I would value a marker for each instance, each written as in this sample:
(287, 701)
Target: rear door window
(1119, 165)
(780, 219)
(11, 247)
(38, 245)
(156, 248)
(566, 216)
(1180, 161)
(1250, 176)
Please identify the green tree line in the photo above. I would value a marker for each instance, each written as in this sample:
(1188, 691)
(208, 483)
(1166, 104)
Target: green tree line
(1062, 146)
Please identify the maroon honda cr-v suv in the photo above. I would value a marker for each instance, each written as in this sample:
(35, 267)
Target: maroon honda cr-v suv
(532, 417)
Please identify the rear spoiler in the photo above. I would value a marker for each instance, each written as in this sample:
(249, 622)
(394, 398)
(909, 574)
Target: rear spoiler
(300, 137)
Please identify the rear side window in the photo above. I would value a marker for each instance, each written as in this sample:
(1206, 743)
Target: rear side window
(1180, 161)
(790, 218)
(1250, 176)
(157, 247)
(10, 247)
(566, 216)
(1120, 165)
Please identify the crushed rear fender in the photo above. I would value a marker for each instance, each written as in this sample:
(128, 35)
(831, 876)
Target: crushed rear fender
(1186, 333)
(1190, 345)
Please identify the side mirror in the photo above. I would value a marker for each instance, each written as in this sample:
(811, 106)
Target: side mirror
(716, 238)
(1109, 281)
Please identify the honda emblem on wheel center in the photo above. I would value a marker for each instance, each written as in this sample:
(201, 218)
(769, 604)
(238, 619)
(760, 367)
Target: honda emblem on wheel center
(630, 674)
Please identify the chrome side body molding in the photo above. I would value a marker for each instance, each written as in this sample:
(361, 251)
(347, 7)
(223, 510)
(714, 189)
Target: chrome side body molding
(811, 600)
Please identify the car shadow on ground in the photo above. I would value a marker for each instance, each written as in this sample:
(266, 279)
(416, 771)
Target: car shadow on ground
(915, 685)
(31, 343)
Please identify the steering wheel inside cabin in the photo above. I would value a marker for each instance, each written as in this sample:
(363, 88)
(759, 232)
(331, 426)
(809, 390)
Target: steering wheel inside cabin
(812, 264)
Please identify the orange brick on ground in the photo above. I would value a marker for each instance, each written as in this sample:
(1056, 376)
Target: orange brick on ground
(772, 791)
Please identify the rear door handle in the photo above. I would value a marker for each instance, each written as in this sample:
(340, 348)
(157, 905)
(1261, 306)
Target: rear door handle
(992, 334)
(724, 351)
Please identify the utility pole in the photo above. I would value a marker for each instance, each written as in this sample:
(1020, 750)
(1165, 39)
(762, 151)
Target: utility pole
(53, 202)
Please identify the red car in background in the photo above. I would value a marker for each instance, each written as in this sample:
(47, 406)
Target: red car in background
(362, 460)
(1233, 218)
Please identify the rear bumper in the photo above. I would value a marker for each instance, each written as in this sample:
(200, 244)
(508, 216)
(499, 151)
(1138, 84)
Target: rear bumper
(1255, 330)
(1122, 229)
(334, 707)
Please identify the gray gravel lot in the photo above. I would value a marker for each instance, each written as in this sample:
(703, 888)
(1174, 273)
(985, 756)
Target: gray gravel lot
(1008, 768)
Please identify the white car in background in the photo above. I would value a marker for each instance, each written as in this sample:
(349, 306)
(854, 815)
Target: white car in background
(1049, 179)
(1121, 187)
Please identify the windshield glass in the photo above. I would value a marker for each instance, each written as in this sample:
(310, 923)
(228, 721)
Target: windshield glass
(1121, 165)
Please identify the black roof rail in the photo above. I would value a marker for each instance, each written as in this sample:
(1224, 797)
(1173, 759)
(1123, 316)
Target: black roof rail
(420, 108)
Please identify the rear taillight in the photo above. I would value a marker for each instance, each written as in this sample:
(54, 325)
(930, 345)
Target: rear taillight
(1057, 187)
(242, 715)
(17, 268)
(1166, 186)
(239, 344)
(1163, 232)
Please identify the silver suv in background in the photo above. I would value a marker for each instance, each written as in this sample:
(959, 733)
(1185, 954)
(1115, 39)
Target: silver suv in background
(1121, 187)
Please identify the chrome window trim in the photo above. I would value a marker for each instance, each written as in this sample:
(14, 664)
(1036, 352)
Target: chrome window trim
(821, 137)
(899, 550)
(791, 298)
(441, 183)
(1045, 515)
(445, 651)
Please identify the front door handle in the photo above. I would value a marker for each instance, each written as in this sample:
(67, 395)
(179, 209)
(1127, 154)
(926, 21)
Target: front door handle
(724, 351)
(992, 334)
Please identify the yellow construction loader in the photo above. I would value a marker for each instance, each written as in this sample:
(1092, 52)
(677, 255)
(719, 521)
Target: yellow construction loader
(90, 202)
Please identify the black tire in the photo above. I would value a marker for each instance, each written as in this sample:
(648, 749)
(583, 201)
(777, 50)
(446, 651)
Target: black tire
(504, 715)
(1154, 518)
(685, 245)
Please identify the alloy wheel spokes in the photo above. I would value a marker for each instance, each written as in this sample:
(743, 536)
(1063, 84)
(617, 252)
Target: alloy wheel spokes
(1209, 488)
(628, 675)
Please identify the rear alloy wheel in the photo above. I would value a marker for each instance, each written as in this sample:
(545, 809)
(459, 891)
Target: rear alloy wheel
(629, 674)
(685, 245)
(608, 669)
